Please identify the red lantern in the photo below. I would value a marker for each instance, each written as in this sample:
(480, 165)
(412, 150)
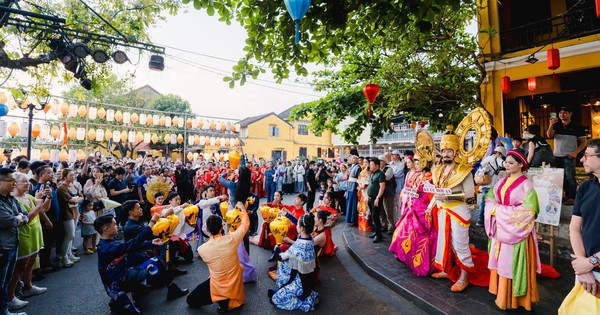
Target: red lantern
(505, 84)
(553, 58)
(413, 125)
(371, 90)
(531, 84)
(598, 9)
(422, 124)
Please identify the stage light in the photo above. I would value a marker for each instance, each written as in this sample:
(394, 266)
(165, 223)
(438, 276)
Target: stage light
(157, 63)
(86, 83)
(120, 57)
(81, 50)
(531, 59)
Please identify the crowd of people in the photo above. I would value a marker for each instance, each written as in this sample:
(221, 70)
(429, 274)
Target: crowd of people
(420, 201)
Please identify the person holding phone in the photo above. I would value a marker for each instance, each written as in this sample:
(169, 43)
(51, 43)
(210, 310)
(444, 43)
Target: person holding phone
(569, 141)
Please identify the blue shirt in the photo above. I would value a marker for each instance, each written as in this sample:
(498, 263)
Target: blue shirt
(269, 175)
(141, 182)
(54, 211)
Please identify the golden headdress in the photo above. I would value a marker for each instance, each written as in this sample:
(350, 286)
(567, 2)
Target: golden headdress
(158, 184)
(450, 140)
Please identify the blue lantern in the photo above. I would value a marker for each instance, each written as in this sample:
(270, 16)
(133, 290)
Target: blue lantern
(297, 9)
(3, 110)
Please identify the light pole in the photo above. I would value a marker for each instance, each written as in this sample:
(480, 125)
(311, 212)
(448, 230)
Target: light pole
(24, 105)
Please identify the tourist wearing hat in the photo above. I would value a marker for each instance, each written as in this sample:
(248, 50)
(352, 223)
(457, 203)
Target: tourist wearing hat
(569, 141)
(493, 164)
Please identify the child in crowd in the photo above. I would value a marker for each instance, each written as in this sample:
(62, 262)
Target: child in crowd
(87, 227)
(332, 188)
(321, 192)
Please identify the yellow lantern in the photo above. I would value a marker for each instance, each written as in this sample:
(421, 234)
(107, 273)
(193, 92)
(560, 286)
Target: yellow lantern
(13, 129)
(224, 206)
(191, 215)
(116, 136)
(190, 156)
(55, 132)
(99, 135)
(72, 134)
(80, 134)
(168, 121)
(36, 130)
(200, 123)
(92, 113)
(47, 108)
(110, 115)
(45, 155)
(63, 155)
(233, 218)
(101, 113)
(179, 138)
(130, 137)
(108, 135)
(213, 125)
(81, 111)
(223, 126)
(143, 120)
(279, 227)
(175, 120)
(167, 138)
(161, 120)
(264, 212)
(124, 136)
(64, 108)
(73, 110)
(126, 117)
(134, 118)
(91, 134)
(80, 155)
(226, 142)
(234, 159)
(155, 119)
(149, 120)
(154, 138)
(147, 137)
(139, 137)
(119, 116)
(197, 140)
(188, 122)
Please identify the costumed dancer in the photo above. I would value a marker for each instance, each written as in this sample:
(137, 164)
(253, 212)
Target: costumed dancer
(243, 193)
(452, 213)
(511, 207)
(179, 246)
(295, 274)
(363, 199)
(266, 240)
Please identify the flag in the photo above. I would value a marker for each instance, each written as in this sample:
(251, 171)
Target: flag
(65, 134)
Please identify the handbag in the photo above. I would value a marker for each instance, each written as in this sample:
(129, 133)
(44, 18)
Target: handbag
(579, 301)
(482, 177)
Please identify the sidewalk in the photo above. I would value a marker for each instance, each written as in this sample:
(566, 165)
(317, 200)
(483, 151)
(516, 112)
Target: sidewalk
(434, 295)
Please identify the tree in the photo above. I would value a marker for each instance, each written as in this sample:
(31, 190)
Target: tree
(171, 103)
(29, 50)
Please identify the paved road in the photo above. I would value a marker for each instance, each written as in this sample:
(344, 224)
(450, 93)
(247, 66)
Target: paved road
(344, 289)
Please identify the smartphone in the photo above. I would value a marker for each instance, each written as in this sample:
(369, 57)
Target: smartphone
(553, 115)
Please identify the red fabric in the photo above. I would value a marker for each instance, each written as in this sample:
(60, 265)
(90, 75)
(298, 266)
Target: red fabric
(328, 209)
(296, 212)
(481, 276)
(184, 246)
(549, 272)
(330, 248)
(266, 239)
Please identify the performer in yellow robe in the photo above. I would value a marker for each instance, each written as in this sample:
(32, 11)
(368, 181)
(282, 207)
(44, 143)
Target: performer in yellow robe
(226, 284)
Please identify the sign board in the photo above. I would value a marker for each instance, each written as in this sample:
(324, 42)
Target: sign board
(548, 184)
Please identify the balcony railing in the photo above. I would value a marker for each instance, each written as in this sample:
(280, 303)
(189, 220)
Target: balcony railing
(572, 24)
(403, 134)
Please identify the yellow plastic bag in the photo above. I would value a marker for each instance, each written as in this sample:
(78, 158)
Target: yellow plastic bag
(579, 302)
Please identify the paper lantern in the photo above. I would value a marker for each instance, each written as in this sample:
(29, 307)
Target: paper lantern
(175, 120)
(194, 123)
(200, 123)
(108, 135)
(64, 155)
(126, 117)
(213, 141)
(180, 122)
(190, 156)
(168, 121)
(154, 138)
(223, 126)
(237, 142)
(73, 110)
(119, 116)
(116, 136)
(80, 134)
(531, 84)
(46, 108)
(55, 132)
(80, 155)
(188, 122)
(202, 140)
(36, 130)
(64, 109)
(553, 60)
(23, 151)
(72, 156)
(226, 156)
(226, 142)
(101, 113)
(220, 156)
(505, 84)
(173, 138)
(110, 115)
(2, 158)
(92, 113)
(81, 111)
(197, 140)
(45, 155)
(155, 119)
(3, 98)
(147, 137)
(24, 130)
(161, 120)
(191, 140)
(238, 127)
(99, 135)
(3, 127)
(196, 155)
(139, 137)
(149, 120)
(206, 124)
(131, 137)
(213, 125)
(229, 126)
(91, 134)
(179, 138)
(142, 119)
(134, 118)
(54, 156)
(124, 136)
(72, 133)
(167, 138)
(222, 142)
(232, 142)
(44, 133)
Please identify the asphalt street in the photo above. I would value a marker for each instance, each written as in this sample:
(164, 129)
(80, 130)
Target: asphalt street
(344, 289)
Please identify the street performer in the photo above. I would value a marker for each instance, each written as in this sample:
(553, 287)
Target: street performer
(453, 186)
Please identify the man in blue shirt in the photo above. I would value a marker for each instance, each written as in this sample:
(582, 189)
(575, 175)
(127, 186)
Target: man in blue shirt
(143, 180)
(51, 227)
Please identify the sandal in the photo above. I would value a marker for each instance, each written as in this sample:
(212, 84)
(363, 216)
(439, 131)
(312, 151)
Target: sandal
(459, 286)
(440, 275)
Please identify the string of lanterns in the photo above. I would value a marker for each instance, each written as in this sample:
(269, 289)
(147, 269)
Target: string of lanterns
(553, 63)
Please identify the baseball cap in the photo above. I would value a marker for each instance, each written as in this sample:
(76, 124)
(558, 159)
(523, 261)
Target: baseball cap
(566, 109)
(382, 158)
(395, 152)
(500, 149)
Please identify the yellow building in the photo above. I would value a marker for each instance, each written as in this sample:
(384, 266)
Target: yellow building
(273, 136)
(524, 32)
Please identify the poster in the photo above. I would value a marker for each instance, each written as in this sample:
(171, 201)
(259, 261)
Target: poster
(548, 183)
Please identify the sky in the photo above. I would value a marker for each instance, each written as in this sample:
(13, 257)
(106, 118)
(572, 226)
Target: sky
(197, 32)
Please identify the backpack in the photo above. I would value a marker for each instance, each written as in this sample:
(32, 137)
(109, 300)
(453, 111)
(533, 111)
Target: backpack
(542, 154)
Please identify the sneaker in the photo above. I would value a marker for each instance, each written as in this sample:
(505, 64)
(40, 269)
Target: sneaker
(74, 258)
(479, 223)
(95, 249)
(19, 289)
(88, 251)
(65, 262)
(35, 290)
(16, 304)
